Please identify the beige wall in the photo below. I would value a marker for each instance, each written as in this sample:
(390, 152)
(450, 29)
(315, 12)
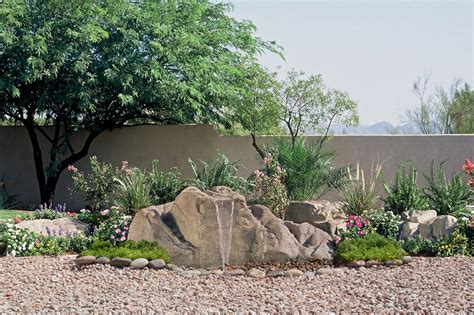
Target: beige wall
(172, 145)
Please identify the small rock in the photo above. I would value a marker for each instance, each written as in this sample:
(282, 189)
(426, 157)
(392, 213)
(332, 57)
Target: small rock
(139, 263)
(102, 261)
(217, 272)
(293, 273)
(275, 273)
(339, 270)
(372, 263)
(407, 259)
(394, 262)
(309, 274)
(120, 262)
(171, 267)
(256, 273)
(235, 272)
(356, 264)
(324, 271)
(85, 260)
(157, 264)
(192, 272)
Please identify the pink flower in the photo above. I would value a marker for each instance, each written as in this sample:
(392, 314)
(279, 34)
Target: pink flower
(118, 231)
(124, 232)
(124, 165)
(126, 228)
(123, 238)
(72, 168)
(105, 212)
(259, 174)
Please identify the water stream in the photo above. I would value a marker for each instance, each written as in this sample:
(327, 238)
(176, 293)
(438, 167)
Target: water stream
(225, 220)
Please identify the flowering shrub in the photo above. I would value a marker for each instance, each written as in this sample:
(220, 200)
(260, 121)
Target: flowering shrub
(18, 241)
(469, 169)
(456, 243)
(56, 245)
(46, 212)
(115, 229)
(385, 223)
(356, 226)
(96, 218)
(269, 188)
(98, 186)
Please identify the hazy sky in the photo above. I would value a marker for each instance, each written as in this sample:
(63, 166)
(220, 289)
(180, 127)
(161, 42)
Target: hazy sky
(373, 50)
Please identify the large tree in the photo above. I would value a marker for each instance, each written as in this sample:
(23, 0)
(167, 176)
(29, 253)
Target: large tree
(69, 66)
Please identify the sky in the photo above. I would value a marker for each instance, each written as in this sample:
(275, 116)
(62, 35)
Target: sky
(374, 50)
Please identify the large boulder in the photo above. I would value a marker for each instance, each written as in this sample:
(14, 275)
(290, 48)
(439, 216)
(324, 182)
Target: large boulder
(421, 216)
(58, 227)
(426, 225)
(443, 226)
(215, 228)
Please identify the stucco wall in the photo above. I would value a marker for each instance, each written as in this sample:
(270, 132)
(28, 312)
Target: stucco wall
(172, 145)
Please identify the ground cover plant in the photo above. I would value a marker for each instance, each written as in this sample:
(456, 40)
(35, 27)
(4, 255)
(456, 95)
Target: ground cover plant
(127, 249)
(385, 223)
(10, 214)
(371, 246)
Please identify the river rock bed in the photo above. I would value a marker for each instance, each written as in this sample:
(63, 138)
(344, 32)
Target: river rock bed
(46, 284)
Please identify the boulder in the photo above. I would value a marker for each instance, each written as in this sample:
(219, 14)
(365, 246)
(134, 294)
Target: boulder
(408, 230)
(331, 226)
(311, 211)
(59, 227)
(161, 209)
(215, 228)
(421, 216)
(443, 226)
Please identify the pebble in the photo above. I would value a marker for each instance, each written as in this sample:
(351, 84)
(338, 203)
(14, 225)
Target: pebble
(275, 273)
(85, 260)
(324, 271)
(120, 262)
(102, 261)
(139, 263)
(407, 259)
(373, 263)
(172, 267)
(256, 273)
(235, 272)
(356, 264)
(293, 273)
(394, 262)
(157, 264)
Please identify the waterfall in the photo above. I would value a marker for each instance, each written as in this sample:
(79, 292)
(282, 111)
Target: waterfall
(225, 221)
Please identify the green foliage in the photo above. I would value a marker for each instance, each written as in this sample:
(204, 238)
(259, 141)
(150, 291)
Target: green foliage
(114, 228)
(57, 245)
(165, 186)
(355, 227)
(405, 194)
(269, 188)
(309, 171)
(360, 193)
(92, 66)
(18, 241)
(385, 223)
(96, 187)
(133, 191)
(456, 243)
(128, 249)
(419, 245)
(447, 196)
(220, 172)
(46, 212)
(463, 110)
(369, 247)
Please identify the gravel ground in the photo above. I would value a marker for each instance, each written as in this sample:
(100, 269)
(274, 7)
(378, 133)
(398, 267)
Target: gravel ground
(47, 284)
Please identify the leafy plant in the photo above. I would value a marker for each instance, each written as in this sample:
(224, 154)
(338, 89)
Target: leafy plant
(456, 243)
(221, 172)
(46, 212)
(133, 191)
(385, 223)
(269, 188)
(57, 245)
(114, 229)
(371, 246)
(447, 196)
(360, 194)
(418, 245)
(356, 226)
(165, 186)
(18, 241)
(128, 249)
(405, 194)
(97, 187)
(309, 171)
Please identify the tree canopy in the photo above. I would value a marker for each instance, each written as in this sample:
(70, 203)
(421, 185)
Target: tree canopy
(67, 66)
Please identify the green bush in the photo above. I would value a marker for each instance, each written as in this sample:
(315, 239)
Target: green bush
(46, 212)
(309, 171)
(165, 186)
(418, 246)
(385, 223)
(369, 247)
(456, 243)
(133, 191)
(220, 172)
(447, 196)
(128, 249)
(405, 194)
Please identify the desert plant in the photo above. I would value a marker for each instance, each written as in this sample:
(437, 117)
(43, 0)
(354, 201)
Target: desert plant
(309, 171)
(132, 191)
(371, 246)
(385, 223)
(404, 193)
(97, 187)
(165, 186)
(418, 245)
(49, 213)
(220, 172)
(128, 249)
(360, 194)
(447, 196)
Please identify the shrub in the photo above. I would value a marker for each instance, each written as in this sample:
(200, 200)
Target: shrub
(57, 245)
(369, 247)
(269, 188)
(385, 223)
(98, 186)
(418, 245)
(46, 212)
(447, 197)
(456, 243)
(18, 241)
(404, 194)
(356, 226)
(223, 172)
(469, 169)
(133, 191)
(360, 194)
(309, 171)
(114, 229)
(165, 186)
(128, 249)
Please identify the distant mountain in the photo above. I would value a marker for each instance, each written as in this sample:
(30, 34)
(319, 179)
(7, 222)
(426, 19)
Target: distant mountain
(379, 128)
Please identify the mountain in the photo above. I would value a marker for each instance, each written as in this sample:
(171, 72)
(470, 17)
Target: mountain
(379, 128)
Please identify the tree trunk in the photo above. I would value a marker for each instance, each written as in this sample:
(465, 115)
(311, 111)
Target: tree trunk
(257, 147)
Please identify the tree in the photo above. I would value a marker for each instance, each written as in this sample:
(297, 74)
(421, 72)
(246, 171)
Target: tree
(309, 104)
(446, 111)
(70, 66)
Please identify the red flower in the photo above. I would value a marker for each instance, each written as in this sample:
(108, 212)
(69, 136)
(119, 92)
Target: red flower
(468, 166)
